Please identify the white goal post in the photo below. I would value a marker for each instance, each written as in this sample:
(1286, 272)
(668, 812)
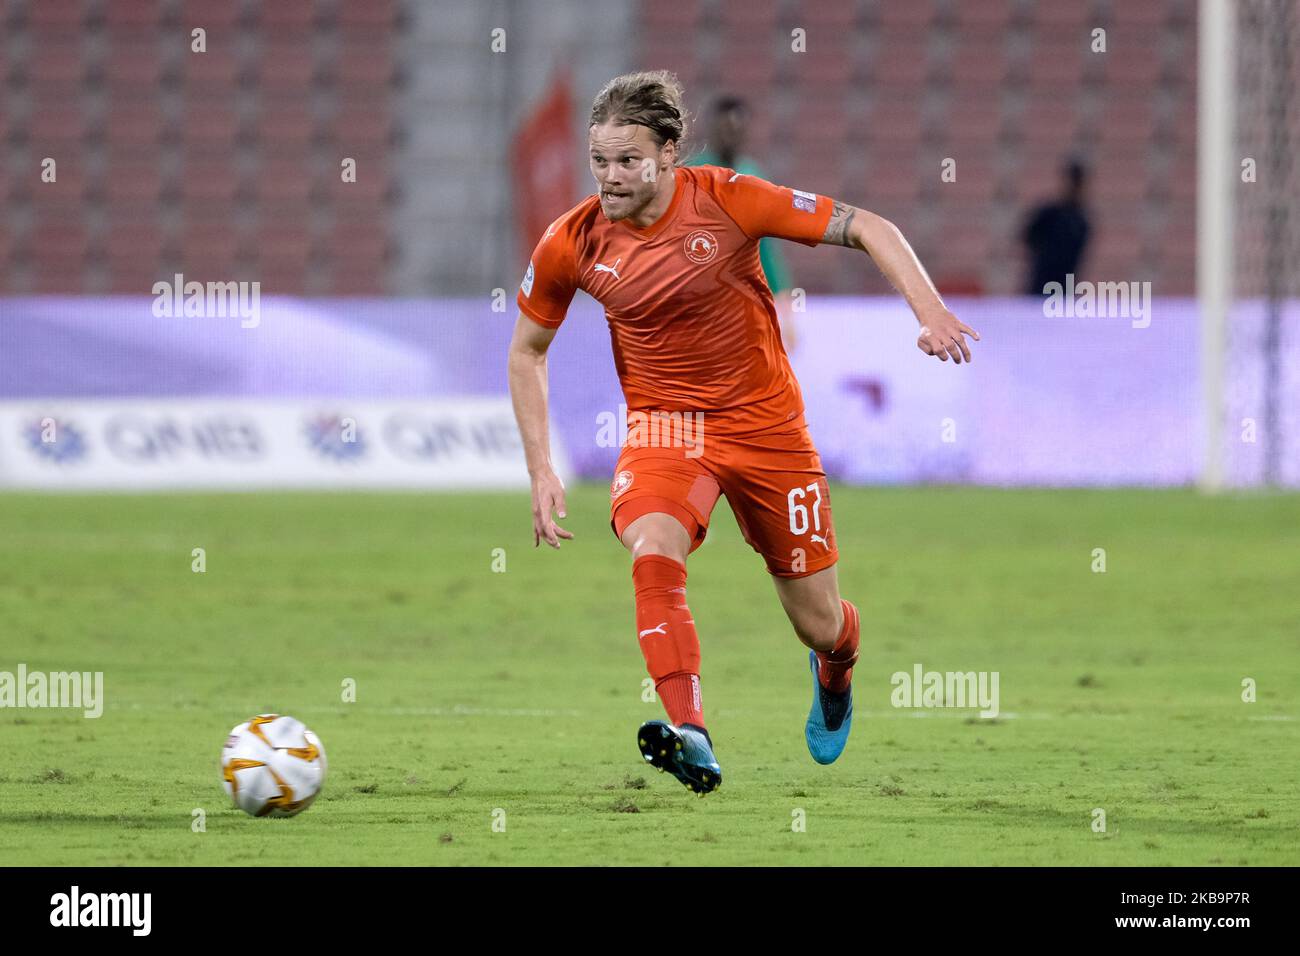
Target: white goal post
(1216, 176)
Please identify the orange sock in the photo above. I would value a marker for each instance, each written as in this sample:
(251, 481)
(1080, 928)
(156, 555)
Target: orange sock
(681, 696)
(835, 669)
(666, 634)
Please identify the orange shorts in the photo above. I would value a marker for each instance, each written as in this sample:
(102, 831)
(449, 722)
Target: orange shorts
(773, 481)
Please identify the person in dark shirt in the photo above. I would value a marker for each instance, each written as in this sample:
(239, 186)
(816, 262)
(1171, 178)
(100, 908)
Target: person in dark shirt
(1056, 234)
(727, 139)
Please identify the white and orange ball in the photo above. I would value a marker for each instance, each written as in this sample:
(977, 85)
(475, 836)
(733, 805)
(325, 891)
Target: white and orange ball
(272, 766)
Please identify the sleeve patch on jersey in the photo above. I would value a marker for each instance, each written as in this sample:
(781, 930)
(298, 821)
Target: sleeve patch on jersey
(527, 284)
(804, 201)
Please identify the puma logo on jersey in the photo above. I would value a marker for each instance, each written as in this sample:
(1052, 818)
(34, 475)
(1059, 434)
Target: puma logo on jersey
(655, 630)
(818, 537)
(734, 177)
(612, 270)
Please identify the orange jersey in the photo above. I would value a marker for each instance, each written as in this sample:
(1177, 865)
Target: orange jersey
(692, 320)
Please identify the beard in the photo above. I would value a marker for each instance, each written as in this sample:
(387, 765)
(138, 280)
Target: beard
(630, 203)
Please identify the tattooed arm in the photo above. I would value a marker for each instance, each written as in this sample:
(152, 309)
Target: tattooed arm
(942, 333)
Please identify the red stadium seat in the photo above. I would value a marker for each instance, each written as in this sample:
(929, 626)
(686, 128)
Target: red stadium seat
(54, 130)
(374, 15)
(360, 126)
(1121, 178)
(133, 66)
(213, 73)
(988, 19)
(285, 67)
(127, 242)
(209, 14)
(54, 237)
(1128, 122)
(670, 18)
(976, 63)
(1062, 16)
(749, 65)
(835, 19)
(285, 125)
(915, 15)
(283, 179)
(133, 125)
(900, 63)
(295, 16)
(974, 116)
(209, 250)
(352, 239)
(132, 182)
(746, 18)
(1148, 15)
(208, 180)
(1059, 67)
(132, 18)
(211, 127)
(1132, 60)
(58, 68)
(362, 66)
(1045, 126)
(55, 17)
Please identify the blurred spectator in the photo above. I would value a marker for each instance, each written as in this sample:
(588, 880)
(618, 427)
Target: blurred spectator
(728, 131)
(1056, 233)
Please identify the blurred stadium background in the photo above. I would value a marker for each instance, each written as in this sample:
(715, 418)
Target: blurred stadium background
(466, 125)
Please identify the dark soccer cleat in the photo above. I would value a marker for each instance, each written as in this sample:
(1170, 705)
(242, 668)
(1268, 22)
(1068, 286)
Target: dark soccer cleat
(685, 752)
(827, 730)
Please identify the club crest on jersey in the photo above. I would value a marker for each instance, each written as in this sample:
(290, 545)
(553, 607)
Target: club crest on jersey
(701, 246)
(622, 482)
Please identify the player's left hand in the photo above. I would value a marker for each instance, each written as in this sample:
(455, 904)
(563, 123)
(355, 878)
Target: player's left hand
(943, 335)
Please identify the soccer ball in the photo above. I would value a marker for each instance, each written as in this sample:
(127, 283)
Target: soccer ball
(272, 766)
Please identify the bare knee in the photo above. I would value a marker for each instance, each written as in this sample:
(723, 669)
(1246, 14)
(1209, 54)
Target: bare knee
(657, 534)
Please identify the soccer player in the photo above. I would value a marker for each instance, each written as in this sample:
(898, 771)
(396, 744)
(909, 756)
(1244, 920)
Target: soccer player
(671, 252)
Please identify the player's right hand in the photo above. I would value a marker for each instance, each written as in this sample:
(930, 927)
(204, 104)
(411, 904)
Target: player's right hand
(943, 335)
(548, 497)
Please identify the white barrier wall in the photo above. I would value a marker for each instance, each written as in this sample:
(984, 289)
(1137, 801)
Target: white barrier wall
(245, 444)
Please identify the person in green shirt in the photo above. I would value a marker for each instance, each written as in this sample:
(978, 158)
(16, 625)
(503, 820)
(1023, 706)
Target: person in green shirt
(728, 131)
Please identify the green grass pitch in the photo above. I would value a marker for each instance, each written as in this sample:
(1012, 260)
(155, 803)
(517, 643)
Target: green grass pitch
(514, 696)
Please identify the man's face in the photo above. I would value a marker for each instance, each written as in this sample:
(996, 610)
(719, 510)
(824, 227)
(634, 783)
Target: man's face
(627, 165)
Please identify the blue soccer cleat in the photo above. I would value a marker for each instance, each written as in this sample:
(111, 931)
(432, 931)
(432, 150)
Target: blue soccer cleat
(827, 730)
(686, 752)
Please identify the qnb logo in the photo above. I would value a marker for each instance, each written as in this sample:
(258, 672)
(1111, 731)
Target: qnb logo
(144, 439)
(701, 246)
(336, 437)
(55, 441)
(75, 908)
(419, 438)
